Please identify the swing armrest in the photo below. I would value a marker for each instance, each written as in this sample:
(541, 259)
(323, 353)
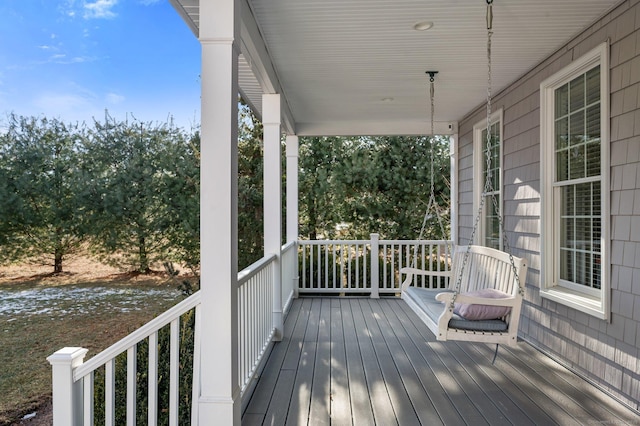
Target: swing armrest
(411, 272)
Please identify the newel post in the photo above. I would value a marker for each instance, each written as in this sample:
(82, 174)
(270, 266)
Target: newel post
(67, 395)
(375, 259)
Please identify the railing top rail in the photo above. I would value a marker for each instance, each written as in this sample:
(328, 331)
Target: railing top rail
(289, 246)
(347, 242)
(138, 335)
(425, 242)
(250, 271)
(331, 242)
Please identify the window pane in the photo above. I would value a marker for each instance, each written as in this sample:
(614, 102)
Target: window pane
(596, 200)
(568, 201)
(580, 232)
(596, 279)
(593, 122)
(566, 265)
(593, 159)
(562, 133)
(576, 94)
(576, 128)
(583, 234)
(567, 233)
(593, 85)
(562, 165)
(577, 162)
(490, 218)
(562, 101)
(583, 199)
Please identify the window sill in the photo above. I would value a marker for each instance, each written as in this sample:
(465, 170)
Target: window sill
(588, 304)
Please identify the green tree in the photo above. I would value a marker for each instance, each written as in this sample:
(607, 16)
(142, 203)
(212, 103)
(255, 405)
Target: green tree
(321, 188)
(250, 187)
(180, 194)
(351, 187)
(137, 172)
(39, 208)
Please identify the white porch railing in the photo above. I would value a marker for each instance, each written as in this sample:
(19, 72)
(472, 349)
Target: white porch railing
(370, 267)
(255, 327)
(74, 384)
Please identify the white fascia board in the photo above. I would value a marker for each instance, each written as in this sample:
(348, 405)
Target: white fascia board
(376, 128)
(257, 56)
(179, 7)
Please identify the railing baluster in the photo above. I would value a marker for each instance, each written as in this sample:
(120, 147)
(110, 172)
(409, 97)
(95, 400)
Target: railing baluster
(174, 372)
(304, 265)
(319, 268)
(328, 284)
(131, 386)
(336, 281)
(357, 255)
(152, 408)
(195, 391)
(88, 399)
(109, 392)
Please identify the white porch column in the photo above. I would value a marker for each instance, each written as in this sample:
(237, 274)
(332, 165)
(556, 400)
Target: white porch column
(219, 401)
(292, 144)
(292, 188)
(273, 200)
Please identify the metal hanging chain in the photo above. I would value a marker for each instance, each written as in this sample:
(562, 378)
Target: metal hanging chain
(432, 204)
(488, 179)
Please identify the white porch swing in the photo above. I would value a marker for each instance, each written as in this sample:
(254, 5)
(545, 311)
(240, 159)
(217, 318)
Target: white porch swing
(486, 286)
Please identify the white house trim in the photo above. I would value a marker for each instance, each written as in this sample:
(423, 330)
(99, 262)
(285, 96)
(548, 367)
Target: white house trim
(273, 200)
(596, 303)
(219, 35)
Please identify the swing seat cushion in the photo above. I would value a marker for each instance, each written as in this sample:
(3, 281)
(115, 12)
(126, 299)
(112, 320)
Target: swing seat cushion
(426, 299)
(477, 312)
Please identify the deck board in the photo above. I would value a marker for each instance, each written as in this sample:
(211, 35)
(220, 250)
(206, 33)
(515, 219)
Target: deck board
(359, 395)
(358, 361)
(379, 396)
(340, 396)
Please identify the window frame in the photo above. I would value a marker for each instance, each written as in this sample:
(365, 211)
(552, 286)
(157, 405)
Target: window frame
(478, 168)
(595, 302)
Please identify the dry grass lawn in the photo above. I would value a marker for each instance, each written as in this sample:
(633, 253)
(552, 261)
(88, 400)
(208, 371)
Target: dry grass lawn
(29, 333)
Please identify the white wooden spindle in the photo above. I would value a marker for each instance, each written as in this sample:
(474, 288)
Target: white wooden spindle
(109, 392)
(131, 386)
(88, 399)
(174, 372)
(152, 409)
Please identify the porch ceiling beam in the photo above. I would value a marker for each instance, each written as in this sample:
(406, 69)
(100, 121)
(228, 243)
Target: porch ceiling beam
(376, 128)
(255, 52)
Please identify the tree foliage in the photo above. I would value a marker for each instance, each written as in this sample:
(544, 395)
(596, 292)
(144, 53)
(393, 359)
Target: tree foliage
(351, 187)
(144, 193)
(40, 210)
(131, 190)
(250, 187)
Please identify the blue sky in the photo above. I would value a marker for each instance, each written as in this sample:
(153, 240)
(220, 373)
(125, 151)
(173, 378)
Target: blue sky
(72, 59)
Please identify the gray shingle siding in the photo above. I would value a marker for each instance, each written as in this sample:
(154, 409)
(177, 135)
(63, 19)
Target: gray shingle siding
(607, 353)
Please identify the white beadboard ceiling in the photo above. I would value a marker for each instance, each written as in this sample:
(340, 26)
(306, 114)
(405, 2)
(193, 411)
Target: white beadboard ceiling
(335, 61)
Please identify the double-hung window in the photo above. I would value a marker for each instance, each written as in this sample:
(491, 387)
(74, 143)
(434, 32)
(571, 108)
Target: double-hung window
(489, 230)
(574, 174)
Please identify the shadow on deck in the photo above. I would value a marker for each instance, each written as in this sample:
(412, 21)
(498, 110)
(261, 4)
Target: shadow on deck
(365, 362)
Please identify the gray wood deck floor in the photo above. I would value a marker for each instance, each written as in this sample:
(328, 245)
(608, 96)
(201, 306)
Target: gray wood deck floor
(365, 362)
